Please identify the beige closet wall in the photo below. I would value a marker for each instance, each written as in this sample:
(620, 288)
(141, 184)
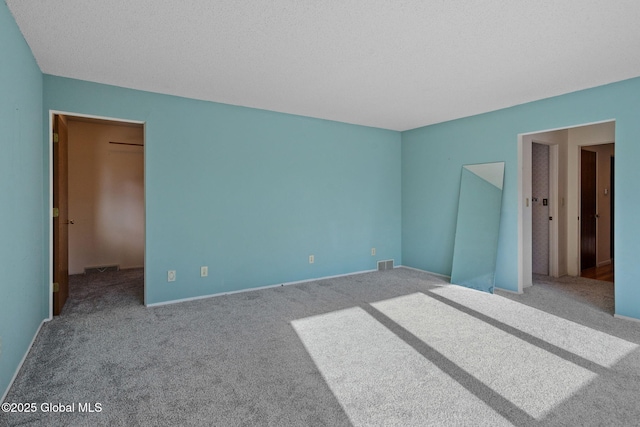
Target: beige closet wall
(106, 195)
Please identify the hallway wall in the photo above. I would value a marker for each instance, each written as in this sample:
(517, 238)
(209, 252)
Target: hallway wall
(540, 212)
(106, 195)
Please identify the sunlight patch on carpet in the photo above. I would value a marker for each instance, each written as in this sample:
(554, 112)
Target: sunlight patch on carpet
(381, 380)
(533, 379)
(595, 346)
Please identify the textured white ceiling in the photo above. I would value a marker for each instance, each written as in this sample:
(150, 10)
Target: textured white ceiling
(389, 64)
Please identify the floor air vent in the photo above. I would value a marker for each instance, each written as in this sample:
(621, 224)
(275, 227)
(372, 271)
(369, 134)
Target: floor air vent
(101, 269)
(385, 265)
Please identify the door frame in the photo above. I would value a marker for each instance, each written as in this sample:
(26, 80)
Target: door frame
(60, 271)
(50, 206)
(524, 201)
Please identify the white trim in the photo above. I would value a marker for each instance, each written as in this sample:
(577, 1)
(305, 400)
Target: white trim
(620, 316)
(49, 283)
(145, 261)
(525, 238)
(509, 290)
(568, 127)
(92, 116)
(176, 301)
(605, 262)
(426, 271)
(470, 289)
(50, 207)
(26, 353)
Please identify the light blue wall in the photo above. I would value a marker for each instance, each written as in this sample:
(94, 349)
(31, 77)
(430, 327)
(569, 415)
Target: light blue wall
(251, 193)
(432, 157)
(23, 295)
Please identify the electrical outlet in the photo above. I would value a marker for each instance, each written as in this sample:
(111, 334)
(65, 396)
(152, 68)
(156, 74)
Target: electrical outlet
(312, 259)
(204, 271)
(373, 251)
(171, 276)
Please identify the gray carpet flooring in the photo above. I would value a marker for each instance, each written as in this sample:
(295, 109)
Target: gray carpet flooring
(596, 293)
(387, 348)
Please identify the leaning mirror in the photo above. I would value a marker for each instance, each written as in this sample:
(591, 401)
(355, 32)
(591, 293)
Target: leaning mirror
(476, 241)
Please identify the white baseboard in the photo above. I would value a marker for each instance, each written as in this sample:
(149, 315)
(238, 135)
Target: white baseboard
(448, 278)
(620, 316)
(176, 301)
(15, 374)
(425, 271)
(510, 291)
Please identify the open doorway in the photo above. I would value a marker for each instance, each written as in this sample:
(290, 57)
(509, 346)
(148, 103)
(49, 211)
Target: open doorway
(543, 211)
(550, 235)
(596, 211)
(97, 196)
